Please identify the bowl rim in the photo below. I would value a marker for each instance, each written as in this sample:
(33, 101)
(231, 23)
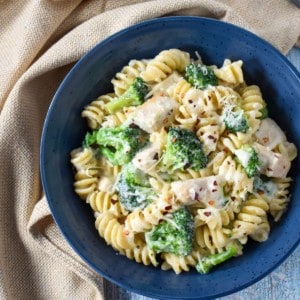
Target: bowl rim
(77, 65)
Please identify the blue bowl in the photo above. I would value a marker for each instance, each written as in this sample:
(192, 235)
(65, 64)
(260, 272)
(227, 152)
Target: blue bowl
(64, 130)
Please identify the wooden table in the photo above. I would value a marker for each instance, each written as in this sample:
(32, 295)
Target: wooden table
(281, 284)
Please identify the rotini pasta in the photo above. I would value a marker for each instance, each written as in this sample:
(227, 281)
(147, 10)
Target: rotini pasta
(164, 63)
(95, 111)
(185, 164)
(126, 76)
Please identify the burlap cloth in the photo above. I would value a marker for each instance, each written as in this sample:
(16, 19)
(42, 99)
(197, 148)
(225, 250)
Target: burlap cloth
(40, 41)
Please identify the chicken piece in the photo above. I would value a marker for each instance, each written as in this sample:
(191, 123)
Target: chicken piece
(147, 157)
(269, 134)
(207, 190)
(155, 113)
(272, 164)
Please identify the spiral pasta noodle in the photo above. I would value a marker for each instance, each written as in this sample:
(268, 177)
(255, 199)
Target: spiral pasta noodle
(114, 232)
(213, 240)
(143, 220)
(95, 112)
(179, 263)
(142, 254)
(101, 202)
(231, 72)
(278, 204)
(252, 214)
(126, 76)
(164, 63)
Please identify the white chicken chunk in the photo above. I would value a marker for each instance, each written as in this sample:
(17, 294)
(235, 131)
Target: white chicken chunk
(155, 113)
(206, 190)
(147, 157)
(269, 134)
(272, 164)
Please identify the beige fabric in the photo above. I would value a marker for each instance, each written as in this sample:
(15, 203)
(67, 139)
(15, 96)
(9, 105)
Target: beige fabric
(40, 41)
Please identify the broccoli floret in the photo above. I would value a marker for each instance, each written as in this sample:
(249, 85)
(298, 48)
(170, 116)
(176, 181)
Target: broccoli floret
(90, 140)
(248, 158)
(264, 113)
(133, 96)
(200, 76)
(183, 150)
(134, 188)
(235, 120)
(173, 236)
(208, 262)
(118, 144)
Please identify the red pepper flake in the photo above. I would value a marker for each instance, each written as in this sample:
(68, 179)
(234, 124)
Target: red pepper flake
(211, 202)
(186, 166)
(165, 212)
(207, 213)
(165, 120)
(155, 157)
(214, 190)
(113, 201)
(132, 125)
(168, 207)
(260, 192)
(196, 197)
(169, 199)
(211, 137)
(190, 101)
(126, 232)
(215, 183)
(265, 139)
(270, 170)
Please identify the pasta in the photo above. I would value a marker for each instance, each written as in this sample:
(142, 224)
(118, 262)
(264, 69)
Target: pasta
(125, 78)
(189, 167)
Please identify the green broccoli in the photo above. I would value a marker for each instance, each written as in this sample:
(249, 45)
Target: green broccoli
(118, 144)
(200, 76)
(208, 262)
(235, 119)
(264, 113)
(183, 150)
(90, 140)
(174, 235)
(134, 188)
(133, 96)
(248, 158)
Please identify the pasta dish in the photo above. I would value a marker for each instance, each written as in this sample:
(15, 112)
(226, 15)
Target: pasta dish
(182, 164)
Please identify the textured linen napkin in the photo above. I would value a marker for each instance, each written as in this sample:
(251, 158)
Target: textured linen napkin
(40, 41)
